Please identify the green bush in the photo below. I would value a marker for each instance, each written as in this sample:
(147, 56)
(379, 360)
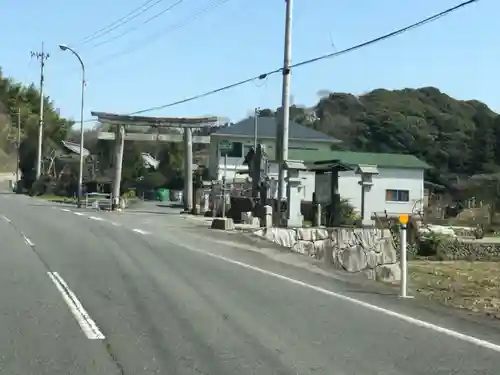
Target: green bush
(41, 186)
(348, 214)
(131, 193)
(432, 244)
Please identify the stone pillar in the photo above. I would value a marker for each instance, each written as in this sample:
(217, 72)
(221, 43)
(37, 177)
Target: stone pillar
(119, 145)
(294, 199)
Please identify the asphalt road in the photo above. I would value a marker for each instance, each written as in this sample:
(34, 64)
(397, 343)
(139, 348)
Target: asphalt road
(86, 293)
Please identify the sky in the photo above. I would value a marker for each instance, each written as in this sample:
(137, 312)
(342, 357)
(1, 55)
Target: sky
(185, 51)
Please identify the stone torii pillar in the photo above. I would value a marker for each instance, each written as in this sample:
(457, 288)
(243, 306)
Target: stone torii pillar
(187, 124)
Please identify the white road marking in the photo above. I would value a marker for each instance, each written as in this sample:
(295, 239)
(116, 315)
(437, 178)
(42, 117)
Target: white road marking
(82, 317)
(140, 231)
(6, 219)
(115, 224)
(27, 240)
(408, 319)
(96, 218)
(79, 213)
(65, 210)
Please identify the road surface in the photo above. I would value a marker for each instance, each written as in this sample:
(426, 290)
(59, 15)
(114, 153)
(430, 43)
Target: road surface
(100, 293)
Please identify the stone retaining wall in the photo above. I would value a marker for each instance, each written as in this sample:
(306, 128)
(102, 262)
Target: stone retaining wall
(366, 251)
(457, 249)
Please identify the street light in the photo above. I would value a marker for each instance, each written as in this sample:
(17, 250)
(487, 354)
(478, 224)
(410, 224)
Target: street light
(64, 47)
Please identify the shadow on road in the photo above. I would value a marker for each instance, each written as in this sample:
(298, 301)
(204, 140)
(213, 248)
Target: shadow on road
(152, 212)
(172, 205)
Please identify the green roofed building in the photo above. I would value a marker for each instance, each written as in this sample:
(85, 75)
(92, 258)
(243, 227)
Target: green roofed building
(396, 180)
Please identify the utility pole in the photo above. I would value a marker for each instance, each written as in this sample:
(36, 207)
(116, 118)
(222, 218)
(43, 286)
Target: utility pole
(42, 56)
(284, 123)
(188, 169)
(18, 144)
(255, 128)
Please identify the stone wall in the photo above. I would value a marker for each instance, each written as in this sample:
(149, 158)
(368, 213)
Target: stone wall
(366, 251)
(459, 249)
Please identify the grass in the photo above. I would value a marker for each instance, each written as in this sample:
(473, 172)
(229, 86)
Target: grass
(467, 285)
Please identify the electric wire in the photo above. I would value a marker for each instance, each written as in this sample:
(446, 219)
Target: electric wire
(146, 41)
(313, 60)
(128, 31)
(133, 14)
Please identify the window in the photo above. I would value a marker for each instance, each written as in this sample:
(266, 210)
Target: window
(397, 196)
(246, 150)
(236, 151)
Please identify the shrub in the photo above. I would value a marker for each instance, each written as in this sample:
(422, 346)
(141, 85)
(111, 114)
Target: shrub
(348, 214)
(432, 244)
(41, 186)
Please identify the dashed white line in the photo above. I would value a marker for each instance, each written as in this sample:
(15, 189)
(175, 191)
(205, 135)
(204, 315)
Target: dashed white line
(65, 210)
(140, 231)
(82, 317)
(28, 241)
(408, 319)
(96, 218)
(79, 213)
(6, 219)
(115, 224)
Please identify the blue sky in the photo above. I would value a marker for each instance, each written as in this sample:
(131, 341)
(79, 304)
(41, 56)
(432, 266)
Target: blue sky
(459, 54)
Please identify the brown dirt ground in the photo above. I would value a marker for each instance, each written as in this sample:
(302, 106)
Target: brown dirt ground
(467, 285)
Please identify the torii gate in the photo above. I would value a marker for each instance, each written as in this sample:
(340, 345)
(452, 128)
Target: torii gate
(188, 124)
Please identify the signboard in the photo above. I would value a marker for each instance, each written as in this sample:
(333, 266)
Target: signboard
(225, 147)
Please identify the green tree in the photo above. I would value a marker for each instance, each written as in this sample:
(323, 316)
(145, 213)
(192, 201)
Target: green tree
(14, 96)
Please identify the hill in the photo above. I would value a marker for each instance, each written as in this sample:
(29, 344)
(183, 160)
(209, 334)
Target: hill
(458, 138)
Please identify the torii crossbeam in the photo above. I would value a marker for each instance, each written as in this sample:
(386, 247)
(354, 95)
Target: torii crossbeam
(185, 123)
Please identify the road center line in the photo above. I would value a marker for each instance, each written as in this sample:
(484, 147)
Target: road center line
(82, 317)
(416, 322)
(6, 219)
(27, 240)
(96, 218)
(140, 231)
(79, 213)
(65, 210)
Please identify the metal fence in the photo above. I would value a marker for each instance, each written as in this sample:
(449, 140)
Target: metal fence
(98, 201)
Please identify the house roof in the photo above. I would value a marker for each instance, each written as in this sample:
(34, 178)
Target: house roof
(364, 158)
(75, 148)
(266, 128)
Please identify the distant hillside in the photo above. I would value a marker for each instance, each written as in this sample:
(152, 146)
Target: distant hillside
(458, 138)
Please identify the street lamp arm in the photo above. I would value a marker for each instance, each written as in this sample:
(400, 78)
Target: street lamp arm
(64, 48)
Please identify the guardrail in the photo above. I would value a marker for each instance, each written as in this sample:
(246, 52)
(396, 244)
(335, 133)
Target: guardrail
(99, 201)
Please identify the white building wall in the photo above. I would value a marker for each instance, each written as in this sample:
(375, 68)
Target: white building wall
(411, 180)
(235, 164)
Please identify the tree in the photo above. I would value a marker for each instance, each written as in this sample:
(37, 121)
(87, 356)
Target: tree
(486, 188)
(457, 138)
(14, 96)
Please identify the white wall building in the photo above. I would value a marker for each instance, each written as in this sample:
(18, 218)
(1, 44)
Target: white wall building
(242, 136)
(397, 182)
(397, 187)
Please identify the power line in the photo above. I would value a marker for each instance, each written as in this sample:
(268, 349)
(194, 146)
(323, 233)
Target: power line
(315, 59)
(136, 12)
(224, 88)
(127, 31)
(387, 36)
(140, 44)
